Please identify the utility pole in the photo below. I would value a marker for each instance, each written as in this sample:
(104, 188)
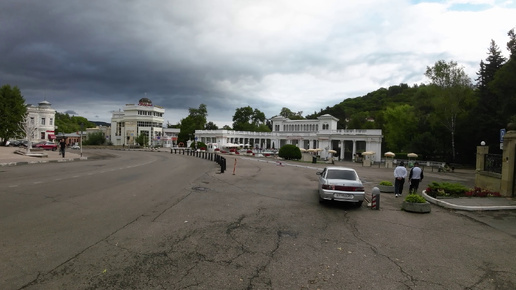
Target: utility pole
(82, 125)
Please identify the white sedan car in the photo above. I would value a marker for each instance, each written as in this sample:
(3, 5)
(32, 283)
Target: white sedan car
(340, 184)
(75, 147)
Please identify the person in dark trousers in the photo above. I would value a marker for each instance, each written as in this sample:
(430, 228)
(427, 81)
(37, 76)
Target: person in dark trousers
(400, 172)
(415, 177)
(62, 144)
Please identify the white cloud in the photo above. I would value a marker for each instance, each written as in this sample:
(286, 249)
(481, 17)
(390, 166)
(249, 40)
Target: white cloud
(269, 54)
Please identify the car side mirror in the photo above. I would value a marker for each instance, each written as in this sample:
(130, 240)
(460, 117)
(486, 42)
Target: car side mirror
(318, 172)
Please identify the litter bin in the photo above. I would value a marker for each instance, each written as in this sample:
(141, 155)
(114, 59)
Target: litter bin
(314, 159)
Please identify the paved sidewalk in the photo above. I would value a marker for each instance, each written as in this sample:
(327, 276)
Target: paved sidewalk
(8, 157)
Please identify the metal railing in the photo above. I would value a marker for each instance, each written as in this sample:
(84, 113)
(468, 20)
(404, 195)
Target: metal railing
(204, 155)
(493, 163)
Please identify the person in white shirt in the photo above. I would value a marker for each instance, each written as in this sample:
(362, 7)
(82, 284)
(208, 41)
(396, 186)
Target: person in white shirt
(400, 172)
(415, 177)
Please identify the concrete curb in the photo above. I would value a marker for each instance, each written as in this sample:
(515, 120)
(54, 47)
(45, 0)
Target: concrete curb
(42, 161)
(465, 207)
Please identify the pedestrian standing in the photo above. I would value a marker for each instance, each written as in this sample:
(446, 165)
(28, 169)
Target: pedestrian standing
(400, 172)
(415, 177)
(62, 144)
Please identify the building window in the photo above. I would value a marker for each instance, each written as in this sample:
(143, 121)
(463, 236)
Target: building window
(51, 122)
(42, 122)
(42, 135)
(32, 120)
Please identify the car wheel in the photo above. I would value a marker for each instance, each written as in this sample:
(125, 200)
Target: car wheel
(359, 204)
(321, 200)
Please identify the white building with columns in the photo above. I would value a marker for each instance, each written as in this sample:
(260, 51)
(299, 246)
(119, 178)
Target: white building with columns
(319, 133)
(136, 119)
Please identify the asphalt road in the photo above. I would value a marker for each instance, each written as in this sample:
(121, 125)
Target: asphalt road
(153, 220)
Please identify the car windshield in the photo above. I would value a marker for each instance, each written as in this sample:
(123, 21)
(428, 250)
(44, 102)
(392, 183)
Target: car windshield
(341, 174)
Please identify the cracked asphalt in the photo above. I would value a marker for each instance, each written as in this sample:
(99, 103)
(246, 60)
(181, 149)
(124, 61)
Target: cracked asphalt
(163, 221)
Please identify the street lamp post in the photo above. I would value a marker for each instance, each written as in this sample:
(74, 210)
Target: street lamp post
(82, 125)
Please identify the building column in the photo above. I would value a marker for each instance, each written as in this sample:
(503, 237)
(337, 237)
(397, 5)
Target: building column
(342, 149)
(354, 151)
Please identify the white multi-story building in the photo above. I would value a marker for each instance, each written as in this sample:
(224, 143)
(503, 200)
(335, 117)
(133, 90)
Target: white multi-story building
(41, 120)
(320, 133)
(135, 120)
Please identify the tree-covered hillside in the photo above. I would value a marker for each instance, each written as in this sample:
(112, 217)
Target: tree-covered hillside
(444, 119)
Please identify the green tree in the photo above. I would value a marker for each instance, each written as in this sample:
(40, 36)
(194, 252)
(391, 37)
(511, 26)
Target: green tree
(211, 126)
(400, 126)
(511, 44)
(196, 120)
(95, 138)
(487, 116)
(287, 113)
(142, 139)
(453, 95)
(12, 112)
(67, 124)
(247, 119)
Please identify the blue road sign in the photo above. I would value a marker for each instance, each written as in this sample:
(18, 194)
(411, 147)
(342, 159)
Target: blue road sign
(502, 133)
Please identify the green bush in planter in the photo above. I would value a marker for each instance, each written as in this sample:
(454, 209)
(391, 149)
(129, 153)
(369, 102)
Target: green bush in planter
(415, 198)
(386, 183)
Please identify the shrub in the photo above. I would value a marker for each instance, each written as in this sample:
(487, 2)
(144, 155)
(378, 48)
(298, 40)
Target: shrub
(415, 198)
(199, 145)
(386, 183)
(436, 189)
(289, 152)
(446, 189)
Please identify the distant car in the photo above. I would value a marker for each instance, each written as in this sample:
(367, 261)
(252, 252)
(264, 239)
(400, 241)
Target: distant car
(14, 143)
(340, 184)
(75, 147)
(46, 145)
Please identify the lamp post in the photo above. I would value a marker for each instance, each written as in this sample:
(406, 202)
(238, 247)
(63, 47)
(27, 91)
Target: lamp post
(82, 125)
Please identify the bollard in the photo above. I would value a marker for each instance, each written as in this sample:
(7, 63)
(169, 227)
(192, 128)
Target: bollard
(375, 198)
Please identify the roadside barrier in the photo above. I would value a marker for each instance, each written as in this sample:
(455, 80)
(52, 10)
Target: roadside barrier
(375, 198)
(202, 154)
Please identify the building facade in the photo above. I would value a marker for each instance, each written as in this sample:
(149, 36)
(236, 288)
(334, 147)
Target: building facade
(141, 119)
(320, 133)
(169, 138)
(41, 122)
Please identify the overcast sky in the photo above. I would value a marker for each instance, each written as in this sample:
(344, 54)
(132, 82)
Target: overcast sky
(93, 57)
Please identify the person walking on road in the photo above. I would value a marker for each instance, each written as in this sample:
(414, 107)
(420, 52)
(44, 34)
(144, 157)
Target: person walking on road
(415, 177)
(62, 143)
(400, 172)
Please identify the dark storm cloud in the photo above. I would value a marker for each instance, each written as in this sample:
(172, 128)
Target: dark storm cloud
(92, 57)
(102, 50)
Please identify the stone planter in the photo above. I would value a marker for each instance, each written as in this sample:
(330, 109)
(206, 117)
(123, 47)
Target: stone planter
(416, 207)
(386, 188)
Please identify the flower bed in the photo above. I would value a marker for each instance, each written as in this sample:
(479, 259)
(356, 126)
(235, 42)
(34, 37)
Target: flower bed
(445, 189)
